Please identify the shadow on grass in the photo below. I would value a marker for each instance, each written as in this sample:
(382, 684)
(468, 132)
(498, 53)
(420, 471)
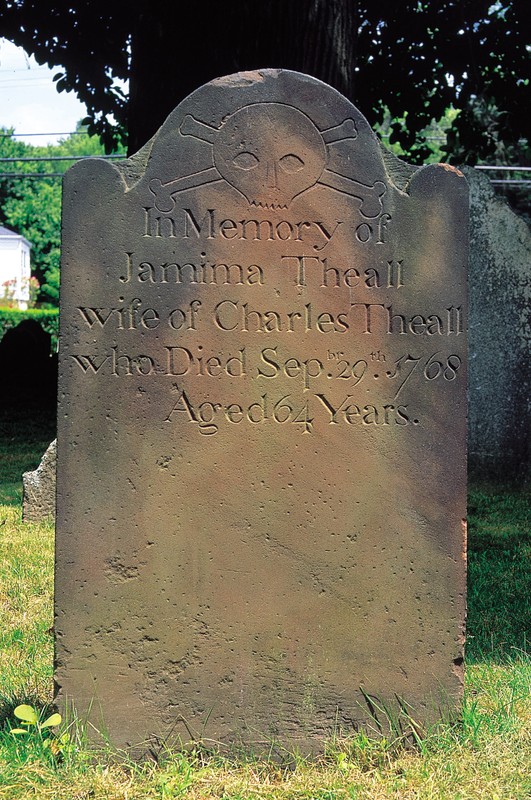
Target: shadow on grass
(499, 573)
(26, 430)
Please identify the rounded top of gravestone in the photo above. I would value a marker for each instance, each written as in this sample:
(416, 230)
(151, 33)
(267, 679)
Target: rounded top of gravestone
(271, 135)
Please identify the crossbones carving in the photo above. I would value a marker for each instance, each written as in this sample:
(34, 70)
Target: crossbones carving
(270, 153)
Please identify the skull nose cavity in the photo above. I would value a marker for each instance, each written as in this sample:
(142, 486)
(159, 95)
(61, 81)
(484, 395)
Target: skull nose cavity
(271, 177)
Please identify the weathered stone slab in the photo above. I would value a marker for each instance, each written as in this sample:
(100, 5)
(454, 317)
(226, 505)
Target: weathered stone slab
(499, 435)
(261, 475)
(38, 500)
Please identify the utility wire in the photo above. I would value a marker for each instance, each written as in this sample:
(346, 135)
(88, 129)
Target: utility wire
(511, 169)
(117, 156)
(60, 158)
(60, 133)
(510, 183)
(31, 174)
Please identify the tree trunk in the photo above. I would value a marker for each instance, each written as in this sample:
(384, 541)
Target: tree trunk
(213, 38)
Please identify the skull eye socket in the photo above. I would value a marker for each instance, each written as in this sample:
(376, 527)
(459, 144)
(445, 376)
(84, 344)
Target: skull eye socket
(291, 163)
(245, 160)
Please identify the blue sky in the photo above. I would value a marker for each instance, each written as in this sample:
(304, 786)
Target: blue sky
(29, 101)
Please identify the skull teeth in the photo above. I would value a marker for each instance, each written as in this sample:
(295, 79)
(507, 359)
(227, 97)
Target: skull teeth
(269, 206)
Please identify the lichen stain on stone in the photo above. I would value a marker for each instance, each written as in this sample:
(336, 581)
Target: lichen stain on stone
(239, 79)
(449, 168)
(465, 540)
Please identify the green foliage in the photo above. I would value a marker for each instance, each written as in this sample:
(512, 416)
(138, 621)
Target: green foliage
(429, 146)
(414, 57)
(26, 607)
(36, 739)
(32, 206)
(471, 56)
(37, 726)
(97, 53)
(48, 318)
(50, 287)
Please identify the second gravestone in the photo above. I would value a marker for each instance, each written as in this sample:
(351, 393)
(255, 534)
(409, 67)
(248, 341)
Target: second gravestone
(261, 478)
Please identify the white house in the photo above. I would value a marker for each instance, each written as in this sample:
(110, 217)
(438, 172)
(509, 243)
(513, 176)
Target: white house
(15, 269)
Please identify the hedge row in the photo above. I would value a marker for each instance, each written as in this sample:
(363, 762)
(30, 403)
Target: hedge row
(48, 319)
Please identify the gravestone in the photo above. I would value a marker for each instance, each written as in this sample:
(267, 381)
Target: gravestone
(261, 450)
(38, 500)
(499, 422)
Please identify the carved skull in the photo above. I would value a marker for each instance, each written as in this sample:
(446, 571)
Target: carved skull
(270, 153)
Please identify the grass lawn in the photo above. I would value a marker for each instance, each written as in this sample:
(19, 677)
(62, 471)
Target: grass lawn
(486, 755)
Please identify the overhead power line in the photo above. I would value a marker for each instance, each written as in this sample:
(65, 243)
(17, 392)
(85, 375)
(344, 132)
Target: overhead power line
(31, 174)
(507, 169)
(60, 158)
(17, 83)
(510, 183)
(118, 156)
(60, 133)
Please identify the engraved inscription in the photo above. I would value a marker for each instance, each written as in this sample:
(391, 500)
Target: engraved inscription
(210, 225)
(209, 415)
(390, 277)
(204, 272)
(261, 425)
(271, 154)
